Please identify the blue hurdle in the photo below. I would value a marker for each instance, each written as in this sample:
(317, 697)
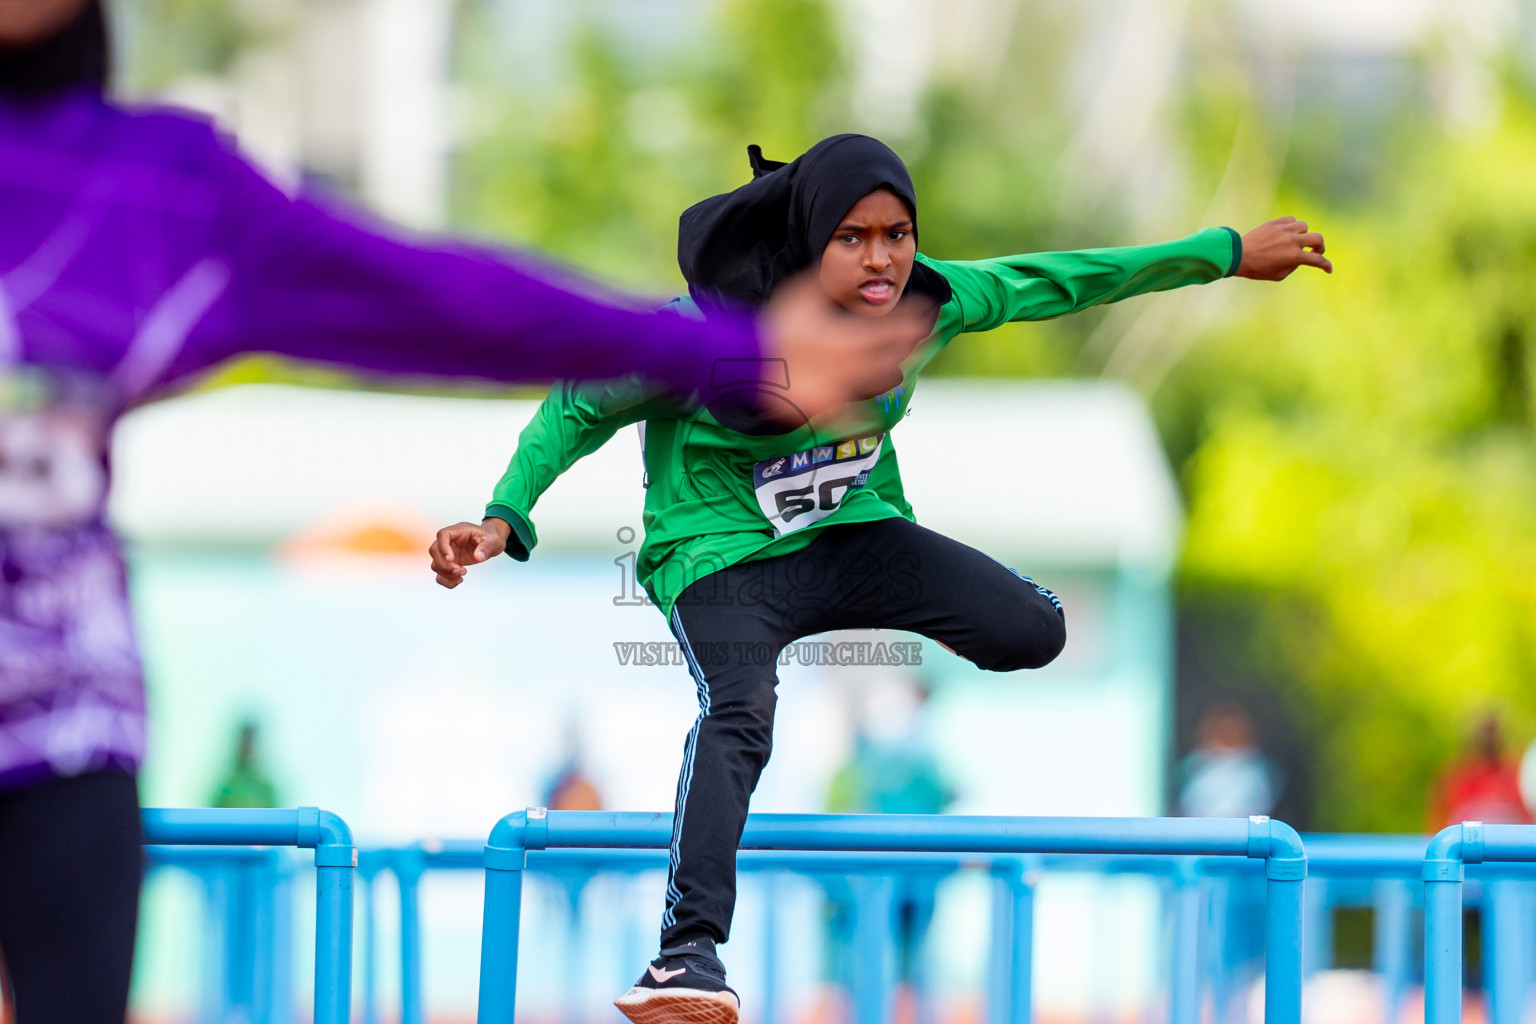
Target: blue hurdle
(1275, 843)
(1376, 871)
(335, 859)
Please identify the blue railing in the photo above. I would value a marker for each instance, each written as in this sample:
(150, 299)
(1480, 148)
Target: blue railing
(1275, 843)
(1191, 855)
(335, 859)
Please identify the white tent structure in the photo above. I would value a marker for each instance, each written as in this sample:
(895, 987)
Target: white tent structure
(1064, 471)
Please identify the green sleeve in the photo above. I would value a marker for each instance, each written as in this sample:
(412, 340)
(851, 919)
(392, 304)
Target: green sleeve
(574, 421)
(1039, 286)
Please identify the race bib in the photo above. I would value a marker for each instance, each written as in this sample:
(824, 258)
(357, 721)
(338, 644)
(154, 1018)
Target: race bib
(52, 453)
(797, 490)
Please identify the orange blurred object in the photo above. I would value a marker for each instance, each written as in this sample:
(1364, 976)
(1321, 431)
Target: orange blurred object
(397, 534)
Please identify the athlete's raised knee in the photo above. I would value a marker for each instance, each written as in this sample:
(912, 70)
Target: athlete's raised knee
(1032, 637)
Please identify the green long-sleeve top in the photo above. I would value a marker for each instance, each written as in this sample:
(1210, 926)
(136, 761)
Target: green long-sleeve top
(717, 497)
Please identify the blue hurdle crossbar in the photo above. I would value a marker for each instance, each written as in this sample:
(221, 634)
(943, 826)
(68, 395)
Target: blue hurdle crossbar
(1277, 844)
(335, 859)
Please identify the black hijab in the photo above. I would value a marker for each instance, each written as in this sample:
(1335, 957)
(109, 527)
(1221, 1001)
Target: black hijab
(735, 249)
(74, 56)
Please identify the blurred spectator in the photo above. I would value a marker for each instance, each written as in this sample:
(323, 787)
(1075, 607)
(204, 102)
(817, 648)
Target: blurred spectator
(571, 788)
(893, 769)
(1482, 785)
(1226, 775)
(246, 783)
(1528, 778)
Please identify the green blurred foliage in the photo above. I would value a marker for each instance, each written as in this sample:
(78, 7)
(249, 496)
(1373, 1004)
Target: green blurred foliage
(596, 171)
(159, 42)
(1359, 462)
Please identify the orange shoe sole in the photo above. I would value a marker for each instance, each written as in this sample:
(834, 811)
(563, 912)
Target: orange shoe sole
(678, 1006)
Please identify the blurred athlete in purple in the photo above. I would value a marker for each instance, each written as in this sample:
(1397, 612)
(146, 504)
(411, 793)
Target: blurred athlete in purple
(137, 249)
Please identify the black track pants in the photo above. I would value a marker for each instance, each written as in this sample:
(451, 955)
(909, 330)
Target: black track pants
(890, 574)
(70, 864)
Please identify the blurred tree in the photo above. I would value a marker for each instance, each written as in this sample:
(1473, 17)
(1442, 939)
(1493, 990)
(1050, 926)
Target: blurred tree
(160, 42)
(1360, 465)
(597, 169)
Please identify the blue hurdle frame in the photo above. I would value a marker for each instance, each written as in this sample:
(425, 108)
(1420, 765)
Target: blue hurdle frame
(1259, 838)
(335, 860)
(1015, 850)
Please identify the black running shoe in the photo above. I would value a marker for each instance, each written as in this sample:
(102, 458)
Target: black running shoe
(684, 985)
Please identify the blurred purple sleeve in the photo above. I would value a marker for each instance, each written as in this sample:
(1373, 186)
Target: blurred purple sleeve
(318, 282)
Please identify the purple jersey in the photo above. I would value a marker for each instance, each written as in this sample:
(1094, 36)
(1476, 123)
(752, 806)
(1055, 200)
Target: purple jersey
(138, 249)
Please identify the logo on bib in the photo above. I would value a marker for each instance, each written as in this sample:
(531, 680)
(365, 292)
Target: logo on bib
(805, 487)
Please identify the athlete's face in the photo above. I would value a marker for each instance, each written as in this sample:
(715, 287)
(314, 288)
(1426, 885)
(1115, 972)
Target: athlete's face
(866, 264)
(24, 22)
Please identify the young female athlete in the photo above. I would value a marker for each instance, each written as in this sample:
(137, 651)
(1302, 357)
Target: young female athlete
(755, 539)
(138, 249)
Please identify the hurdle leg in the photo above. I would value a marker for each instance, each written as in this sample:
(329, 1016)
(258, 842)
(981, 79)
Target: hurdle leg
(1218, 969)
(921, 894)
(1442, 950)
(499, 938)
(1392, 940)
(408, 877)
(771, 948)
(370, 949)
(243, 945)
(1000, 955)
(1502, 962)
(1184, 977)
(333, 945)
(575, 963)
(333, 937)
(214, 994)
(265, 925)
(1283, 951)
(1022, 1003)
(1319, 926)
(874, 898)
(282, 942)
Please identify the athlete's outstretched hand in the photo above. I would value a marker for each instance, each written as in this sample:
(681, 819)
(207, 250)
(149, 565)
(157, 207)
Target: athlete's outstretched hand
(463, 544)
(833, 356)
(1275, 248)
